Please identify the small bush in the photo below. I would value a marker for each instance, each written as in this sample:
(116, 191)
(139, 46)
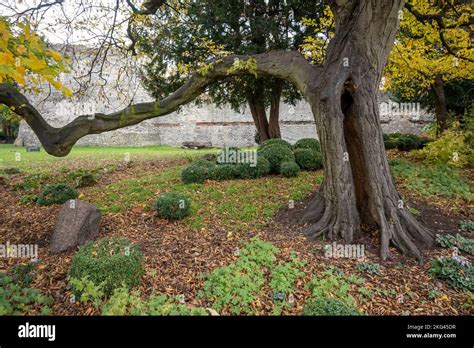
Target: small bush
(452, 148)
(275, 141)
(203, 163)
(112, 262)
(289, 169)
(246, 171)
(275, 154)
(329, 306)
(308, 159)
(195, 173)
(173, 206)
(408, 142)
(308, 143)
(56, 194)
(456, 271)
(223, 172)
(404, 142)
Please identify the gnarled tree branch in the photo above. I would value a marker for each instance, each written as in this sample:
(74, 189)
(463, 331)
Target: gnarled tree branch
(287, 65)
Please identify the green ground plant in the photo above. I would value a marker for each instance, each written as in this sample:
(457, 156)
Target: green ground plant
(111, 261)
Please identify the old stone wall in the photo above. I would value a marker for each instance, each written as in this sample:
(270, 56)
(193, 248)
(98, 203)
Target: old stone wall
(120, 85)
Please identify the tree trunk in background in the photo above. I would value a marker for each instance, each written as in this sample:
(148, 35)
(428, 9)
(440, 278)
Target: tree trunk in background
(440, 108)
(259, 118)
(358, 187)
(274, 124)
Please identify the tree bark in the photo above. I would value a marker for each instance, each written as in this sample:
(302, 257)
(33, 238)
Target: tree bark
(257, 109)
(266, 128)
(274, 123)
(440, 106)
(358, 187)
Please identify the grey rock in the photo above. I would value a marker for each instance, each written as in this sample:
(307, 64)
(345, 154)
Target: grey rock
(196, 145)
(76, 223)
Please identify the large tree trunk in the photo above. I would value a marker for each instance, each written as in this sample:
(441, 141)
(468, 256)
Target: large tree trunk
(274, 123)
(259, 118)
(440, 107)
(266, 128)
(358, 187)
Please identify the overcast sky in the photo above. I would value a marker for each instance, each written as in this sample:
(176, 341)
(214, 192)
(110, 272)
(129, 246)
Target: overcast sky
(74, 21)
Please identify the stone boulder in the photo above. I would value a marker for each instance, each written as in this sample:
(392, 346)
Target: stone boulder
(196, 145)
(76, 223)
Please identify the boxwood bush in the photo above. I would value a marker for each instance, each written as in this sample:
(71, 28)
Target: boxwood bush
(223, 172)
(308, 143)
(56, 194)
(196, 173)
(173, 206)
(289, 169)
(328, 306)
(308, 159)
(203, 163)
(275, 141)
(404, 142)
(246, 171)
(275, 154)
(110, 262)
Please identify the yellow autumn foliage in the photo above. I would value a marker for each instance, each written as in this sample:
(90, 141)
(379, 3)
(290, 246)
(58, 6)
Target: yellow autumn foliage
(26, 61)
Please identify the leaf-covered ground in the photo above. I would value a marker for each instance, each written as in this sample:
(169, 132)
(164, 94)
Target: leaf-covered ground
(226, 215)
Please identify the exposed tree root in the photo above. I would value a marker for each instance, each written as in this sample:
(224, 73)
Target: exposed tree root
(397, 226)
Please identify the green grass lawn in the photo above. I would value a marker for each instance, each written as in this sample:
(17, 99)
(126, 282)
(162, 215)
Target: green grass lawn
(12, 156)
(235, 204)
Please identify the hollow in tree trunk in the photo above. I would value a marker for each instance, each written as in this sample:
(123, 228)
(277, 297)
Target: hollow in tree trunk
(358, 187)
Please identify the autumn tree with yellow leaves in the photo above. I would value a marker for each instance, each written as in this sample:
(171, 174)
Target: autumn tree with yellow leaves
(433, 47)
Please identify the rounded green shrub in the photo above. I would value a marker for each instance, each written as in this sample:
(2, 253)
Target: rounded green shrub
(195, 173)
(404, 142)
(308, 143)
(110, 262)
(289, 169)
(275, 154)
(308, 159)
(173, 206)
(275, 141)
(56, 194)
(408, 142)
(390, 144)
(328, 306)
(203, 163)
(246, 171)
(223, 172)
